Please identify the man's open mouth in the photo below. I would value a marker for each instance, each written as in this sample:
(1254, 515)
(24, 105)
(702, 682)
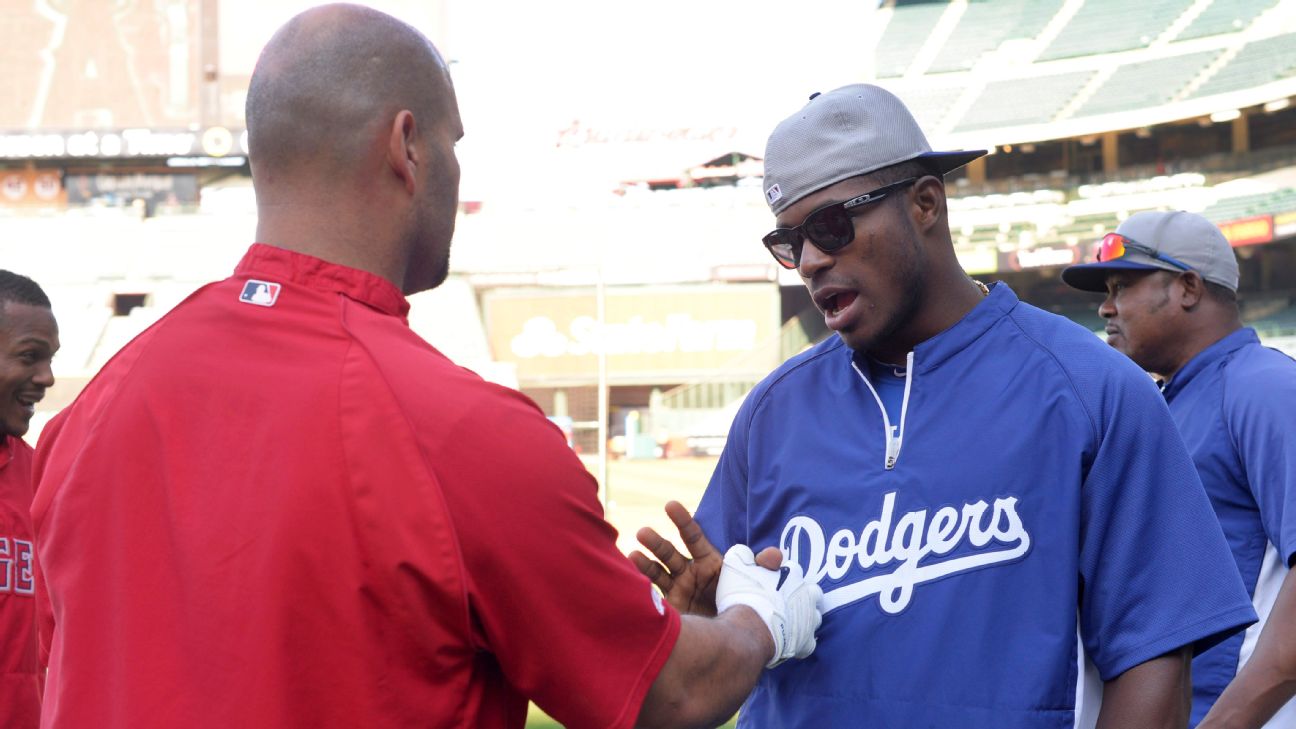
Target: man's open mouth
(833, 303)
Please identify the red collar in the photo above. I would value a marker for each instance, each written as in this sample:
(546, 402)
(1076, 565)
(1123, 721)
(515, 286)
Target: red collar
(283, 265)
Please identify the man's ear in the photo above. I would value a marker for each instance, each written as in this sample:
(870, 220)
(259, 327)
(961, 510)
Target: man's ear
(1191, 289)
(402, 154)
(929, 201)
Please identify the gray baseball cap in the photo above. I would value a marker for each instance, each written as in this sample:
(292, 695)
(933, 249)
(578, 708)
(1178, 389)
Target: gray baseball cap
(1185, 237)
(850, 131)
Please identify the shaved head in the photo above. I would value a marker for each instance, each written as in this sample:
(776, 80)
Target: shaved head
(330, 80)
(352, 123)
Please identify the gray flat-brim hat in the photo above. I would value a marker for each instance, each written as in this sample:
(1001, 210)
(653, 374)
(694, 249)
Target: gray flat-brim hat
(850, 131)
(1186, 237)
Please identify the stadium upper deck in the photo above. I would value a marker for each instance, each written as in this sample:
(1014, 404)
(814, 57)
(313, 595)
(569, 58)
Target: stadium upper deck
(1014, 71)
(118, 200)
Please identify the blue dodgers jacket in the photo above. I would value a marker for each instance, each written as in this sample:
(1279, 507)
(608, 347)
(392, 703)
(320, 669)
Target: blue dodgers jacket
(1235, 405)
(1032, 527)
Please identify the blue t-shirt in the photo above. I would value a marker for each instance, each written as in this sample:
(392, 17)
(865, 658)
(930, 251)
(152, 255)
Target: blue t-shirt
(889, 382)
(1040, 528)
(1235, 405)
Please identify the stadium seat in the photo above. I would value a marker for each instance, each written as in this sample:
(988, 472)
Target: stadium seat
(1003, 103)
(1147, 83)
(985, 25)
(1103, 26)
(1259, 62)
(904, 36)
(1225, 16)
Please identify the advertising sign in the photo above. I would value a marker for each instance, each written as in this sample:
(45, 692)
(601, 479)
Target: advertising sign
(1040, 257)
(649, 334)
(978, 260)
(1284, 224)
(151, 188)
(34, 187)
(1249, 231)
(123, 144)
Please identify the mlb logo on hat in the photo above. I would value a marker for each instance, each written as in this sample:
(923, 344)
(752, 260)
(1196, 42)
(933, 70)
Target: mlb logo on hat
(773, 194)
(261, 293)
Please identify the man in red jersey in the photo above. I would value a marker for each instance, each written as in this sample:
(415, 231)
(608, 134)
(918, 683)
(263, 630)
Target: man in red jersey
(278, 507)
(28, 341)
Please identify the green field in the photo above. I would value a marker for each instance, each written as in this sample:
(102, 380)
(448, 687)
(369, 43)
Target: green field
(638, 490)
(536, 719)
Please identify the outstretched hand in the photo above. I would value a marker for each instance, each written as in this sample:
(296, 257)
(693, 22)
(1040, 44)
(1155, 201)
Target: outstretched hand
(688, 584)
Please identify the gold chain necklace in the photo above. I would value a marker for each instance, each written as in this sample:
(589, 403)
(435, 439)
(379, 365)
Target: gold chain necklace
(985, 290)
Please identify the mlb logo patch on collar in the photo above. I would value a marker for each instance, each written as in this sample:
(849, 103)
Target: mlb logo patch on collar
(261, 293)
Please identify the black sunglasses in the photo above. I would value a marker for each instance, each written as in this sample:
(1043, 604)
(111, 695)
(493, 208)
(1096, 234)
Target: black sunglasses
(829, 228)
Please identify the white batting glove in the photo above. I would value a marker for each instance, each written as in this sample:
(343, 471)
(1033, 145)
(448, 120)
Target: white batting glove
(791, 607)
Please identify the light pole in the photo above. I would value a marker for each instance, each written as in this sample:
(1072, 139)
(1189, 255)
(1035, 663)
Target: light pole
(600, 295)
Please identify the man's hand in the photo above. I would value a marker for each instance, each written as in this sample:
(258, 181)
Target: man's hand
(688, 584)
(1268, 681)
(791, 607)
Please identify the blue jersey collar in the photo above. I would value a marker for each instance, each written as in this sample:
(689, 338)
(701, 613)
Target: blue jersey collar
(1229, 344)
(932, 353)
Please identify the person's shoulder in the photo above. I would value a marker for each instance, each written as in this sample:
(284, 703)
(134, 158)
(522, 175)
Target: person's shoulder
(409, 360)
(1100, 378)
(1078, 352)
(808, 364)
(1255, 359)
(424, 380)
(1048, 330)
(19, 450)
(812, 355)
(1256, 376)
(18, 445)
(118, 367)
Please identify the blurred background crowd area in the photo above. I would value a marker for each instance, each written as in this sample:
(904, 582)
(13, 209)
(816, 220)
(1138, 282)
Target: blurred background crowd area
(607, 260)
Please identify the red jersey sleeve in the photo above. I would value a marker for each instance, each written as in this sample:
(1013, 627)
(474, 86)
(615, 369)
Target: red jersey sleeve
(567, 619)
(571, 621)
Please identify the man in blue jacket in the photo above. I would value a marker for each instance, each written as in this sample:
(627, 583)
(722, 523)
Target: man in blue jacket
(1171, 283)
(1008, 531)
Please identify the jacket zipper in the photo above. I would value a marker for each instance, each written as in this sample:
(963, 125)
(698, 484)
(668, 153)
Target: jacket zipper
(894, 434)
